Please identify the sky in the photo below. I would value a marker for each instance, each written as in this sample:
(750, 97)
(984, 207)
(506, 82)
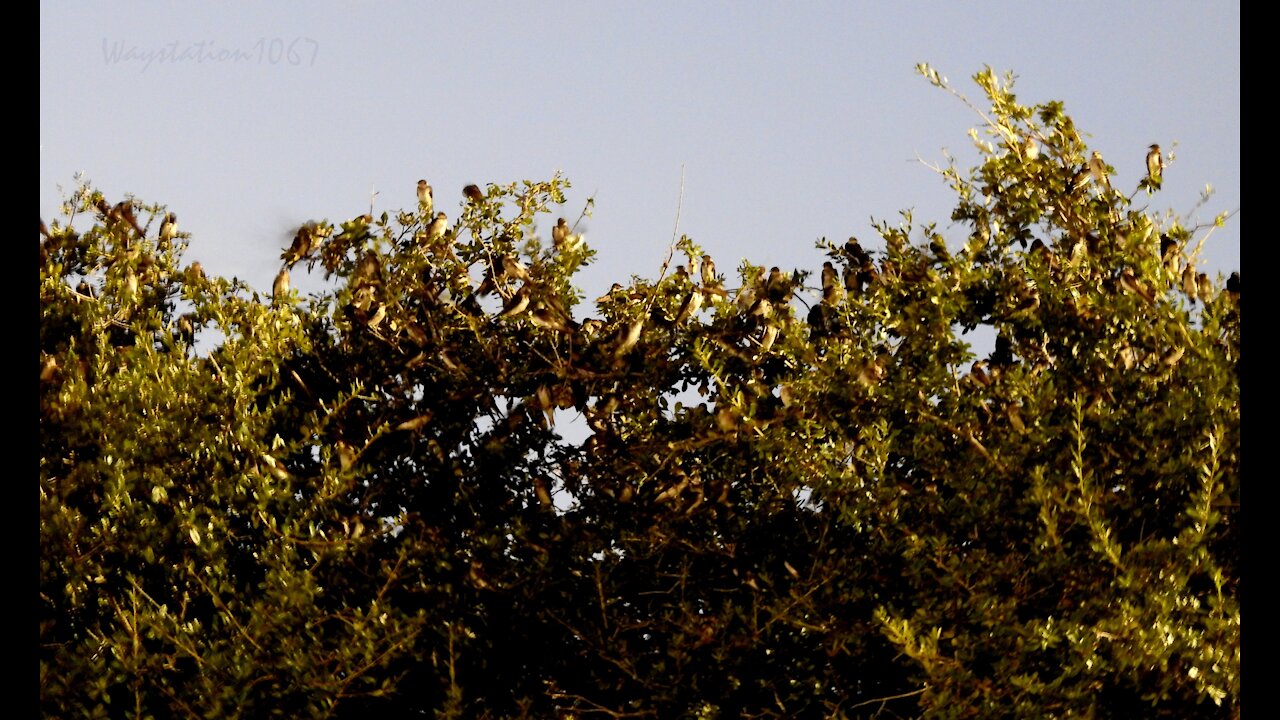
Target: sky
(760, 127)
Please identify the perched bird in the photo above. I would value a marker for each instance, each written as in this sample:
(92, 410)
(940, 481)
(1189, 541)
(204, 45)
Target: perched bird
(778, 286)
(473, 193)
(591, 327)
(1030, 149)
(549, 315)
(691, 305)
(1233, 285)
(425, 203)
(851, 282)
(1170, 255)
(124, 211)
(517, 303)
(1205, 286)
(708, 271)
(628, 337)
(1189, 284)
(168, 229)
(829, 276)
(368, 270)
(437, 228)
(280, 288)
(1155, 166)
(767, 337)
(1098, 171)
(513, 268)
(857, 256)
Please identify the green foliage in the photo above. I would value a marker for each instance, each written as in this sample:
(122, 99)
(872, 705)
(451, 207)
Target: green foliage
(802, 494)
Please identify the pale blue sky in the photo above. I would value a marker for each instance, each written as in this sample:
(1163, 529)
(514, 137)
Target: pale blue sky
(791, 121)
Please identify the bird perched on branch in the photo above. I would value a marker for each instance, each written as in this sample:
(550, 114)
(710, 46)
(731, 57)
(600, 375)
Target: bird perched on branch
(280, 288)
(473, 193)
(1155, 167)
(1098, 171)
(168, 229)
(425, 204)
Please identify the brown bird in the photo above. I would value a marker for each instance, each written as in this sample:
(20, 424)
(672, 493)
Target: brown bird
(437, 228)
(778, 286)
(1155, 167)
(1098, 171)
(280, 288)
(549, 315)
(168, 229)
(690, 307)
(305, 242)
(124, 211)
(1233, 285)
(517, 303)
(513, 268)
(560, 233)
(829, 276)
(1205, 286)
(1189, 284)
(708, 271)
(425, 202)
(473, 193)
(628, 337)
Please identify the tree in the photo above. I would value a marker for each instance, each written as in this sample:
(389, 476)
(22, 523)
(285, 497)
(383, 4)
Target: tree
(803, 494)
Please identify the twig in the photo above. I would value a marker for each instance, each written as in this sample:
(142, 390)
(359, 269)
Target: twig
(890, 697)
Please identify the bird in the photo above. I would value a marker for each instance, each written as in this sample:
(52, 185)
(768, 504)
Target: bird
(560, 233)
(1155, 167)
(767, 337)
(1189, 284)
(280, 288)
(778, 287)
(305, 241)
(473, 193)
(1098, 171)
(857, 255)
(517, 303)
(168, 229)
(1233, 285)
(628, 336)
(368, 270)
(425, 203)
(708, 271)
(829, 276)
(437, 227)
(550, 315)
(1205, 287)
(691, 305)
(513, 268)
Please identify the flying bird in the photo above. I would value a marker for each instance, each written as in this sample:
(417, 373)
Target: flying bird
(425, 203)
(305, 242)
(1155, 166)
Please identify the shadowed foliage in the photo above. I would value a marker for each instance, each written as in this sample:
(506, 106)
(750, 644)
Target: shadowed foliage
(988, 474)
